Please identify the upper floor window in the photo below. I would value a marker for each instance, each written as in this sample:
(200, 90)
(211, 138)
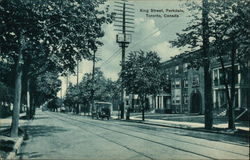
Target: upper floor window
(185, 67)
(173, 84)
(177, 69)
(216, 77)
(196, 80)
(173, 101)
(177, 83)
(177, 100)
(127, 103)
(225, 76)
(185, 81)
(185, 99)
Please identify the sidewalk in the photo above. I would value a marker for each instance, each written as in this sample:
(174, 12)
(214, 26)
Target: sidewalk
(10, 146)
(6, 122)
(192, 122)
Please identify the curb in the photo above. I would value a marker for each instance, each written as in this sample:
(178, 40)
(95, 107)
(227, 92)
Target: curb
(190, 128)
(18, 144)
(16, 148)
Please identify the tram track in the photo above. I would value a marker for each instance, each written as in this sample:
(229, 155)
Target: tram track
(165, 137)
(141, 138)
(107, 139)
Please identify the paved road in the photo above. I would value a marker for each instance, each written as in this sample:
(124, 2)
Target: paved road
(57, 136)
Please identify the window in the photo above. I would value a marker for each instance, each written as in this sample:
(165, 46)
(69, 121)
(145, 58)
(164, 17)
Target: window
(177, 83)
(236, 74)
(222, 80)
(185, 67)
(215, 77)
(185, 81)
(173, 101)
(177, 101)
(196, 80)
(228, 77)
(178, 98)
(173, 84)
(177, 69)
(185, 99)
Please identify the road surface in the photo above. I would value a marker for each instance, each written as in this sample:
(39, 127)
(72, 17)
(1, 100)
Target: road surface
(63, 136)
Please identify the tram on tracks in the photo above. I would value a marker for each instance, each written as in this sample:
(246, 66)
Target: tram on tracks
(102, 110)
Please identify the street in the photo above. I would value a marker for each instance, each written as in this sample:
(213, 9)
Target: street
(56, 135)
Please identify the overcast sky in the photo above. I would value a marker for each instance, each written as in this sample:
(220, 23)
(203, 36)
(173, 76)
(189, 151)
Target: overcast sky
(150, 33)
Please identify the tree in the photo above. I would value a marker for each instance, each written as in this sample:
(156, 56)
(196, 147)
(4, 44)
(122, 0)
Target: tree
(231, 28)
(57, 33)
(104, 89)
(100, 86)
(228, 23)
(45, 87)
(69, 97)
(141, 75)
(48, 84)
(6, 86)
(196, 36)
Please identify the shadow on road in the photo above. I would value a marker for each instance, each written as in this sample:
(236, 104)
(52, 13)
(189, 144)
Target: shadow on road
(30, 155)
(43, 130)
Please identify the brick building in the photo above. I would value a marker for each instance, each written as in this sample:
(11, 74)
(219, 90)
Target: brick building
(186, 93)
(242, 88)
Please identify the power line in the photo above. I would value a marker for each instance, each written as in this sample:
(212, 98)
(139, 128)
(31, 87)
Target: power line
(139, 41)
(117, 52)
(165, 25)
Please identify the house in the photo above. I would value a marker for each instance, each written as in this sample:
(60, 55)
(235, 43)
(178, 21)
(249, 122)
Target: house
(242, 88)
(186, 92)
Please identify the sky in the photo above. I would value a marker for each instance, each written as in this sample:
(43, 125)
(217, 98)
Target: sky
(152, 32)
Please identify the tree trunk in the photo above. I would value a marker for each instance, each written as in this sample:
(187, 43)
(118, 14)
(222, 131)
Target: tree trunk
(28, 112)
(17, 99)
(143, 108)
(33, 107)
(231, 116)
(224, 80)
(207, 74)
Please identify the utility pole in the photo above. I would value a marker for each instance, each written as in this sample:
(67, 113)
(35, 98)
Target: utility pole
(93, 83)
(67, 80)
(124, 17)
(207, 74)
(61, 91)
(77, 74)
(77, 83)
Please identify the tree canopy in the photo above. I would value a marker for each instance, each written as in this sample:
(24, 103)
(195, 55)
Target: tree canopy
(47, 35)
(142, 75)
(56, 33)
(104, 90)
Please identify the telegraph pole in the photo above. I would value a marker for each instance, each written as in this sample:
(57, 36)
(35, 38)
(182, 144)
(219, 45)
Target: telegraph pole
(67, 81)
(207, 74)
(77, 83)
(61, 91)
(124, 18)
(93, 83)
(77, 74)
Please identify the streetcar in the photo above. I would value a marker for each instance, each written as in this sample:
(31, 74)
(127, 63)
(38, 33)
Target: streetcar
(102, 110)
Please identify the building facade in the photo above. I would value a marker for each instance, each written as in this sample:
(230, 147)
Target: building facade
(242, 88)
(186, 93)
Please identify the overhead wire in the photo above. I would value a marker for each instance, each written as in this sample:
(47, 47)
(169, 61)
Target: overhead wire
(116, 53)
